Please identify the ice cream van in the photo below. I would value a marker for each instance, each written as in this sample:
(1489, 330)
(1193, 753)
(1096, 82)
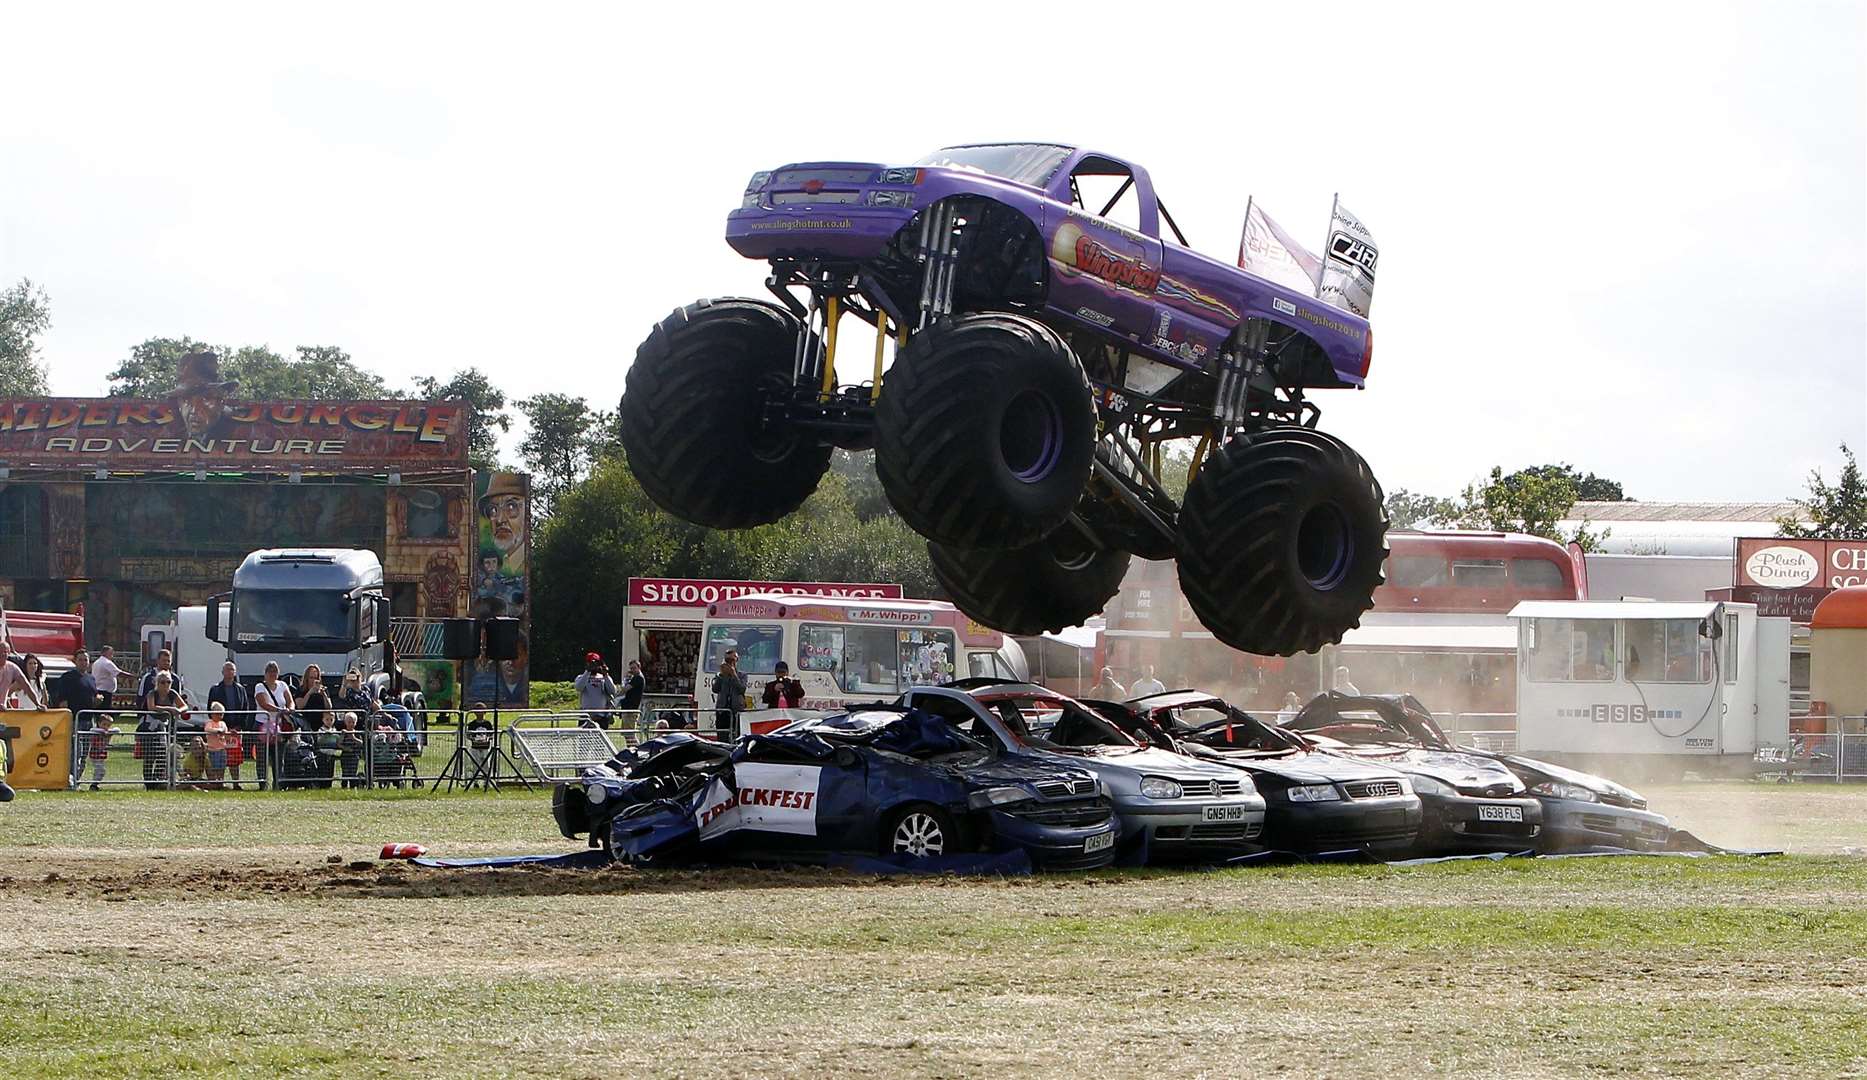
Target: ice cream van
(844, 650)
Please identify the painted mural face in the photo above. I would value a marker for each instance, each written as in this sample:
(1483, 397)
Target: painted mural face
(507, 513)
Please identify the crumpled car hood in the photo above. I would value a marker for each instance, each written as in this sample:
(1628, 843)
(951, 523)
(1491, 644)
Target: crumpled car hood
(1309, 767)
(1151, 760)
(1467, 772)
(1599, 784)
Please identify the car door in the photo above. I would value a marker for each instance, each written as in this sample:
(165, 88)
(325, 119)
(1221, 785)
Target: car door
(1105, 250)
(787, 805)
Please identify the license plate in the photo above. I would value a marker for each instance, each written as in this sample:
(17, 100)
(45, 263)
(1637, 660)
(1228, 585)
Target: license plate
(1500, 813)
(1222, 813)
(1098, 843)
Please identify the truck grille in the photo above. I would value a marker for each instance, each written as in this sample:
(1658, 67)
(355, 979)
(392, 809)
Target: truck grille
(1063, 789)
(1210, 789)
(1373, 789)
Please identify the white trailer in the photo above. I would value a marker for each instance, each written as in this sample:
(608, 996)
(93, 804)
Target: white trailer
(1666, 686)
(197, 657)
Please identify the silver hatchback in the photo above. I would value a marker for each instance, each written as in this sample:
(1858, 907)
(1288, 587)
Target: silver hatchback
(1184, 808)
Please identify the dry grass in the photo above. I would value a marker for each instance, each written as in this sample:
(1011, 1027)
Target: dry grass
(187, 943)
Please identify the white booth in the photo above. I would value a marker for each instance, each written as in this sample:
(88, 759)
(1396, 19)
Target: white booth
(1695, 684)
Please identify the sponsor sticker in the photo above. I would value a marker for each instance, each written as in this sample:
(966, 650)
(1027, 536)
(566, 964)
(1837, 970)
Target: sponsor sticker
(1279, 304)
(771, 798)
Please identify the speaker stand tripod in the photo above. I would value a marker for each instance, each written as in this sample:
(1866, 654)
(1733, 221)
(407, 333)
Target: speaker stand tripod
(463, 768)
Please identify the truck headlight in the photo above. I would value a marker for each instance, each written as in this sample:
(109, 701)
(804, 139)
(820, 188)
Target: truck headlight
(1159, 787)
(904, 199)
(1556, 789)
(758, 182)
(1314, 793)
(899, 176)
(998, 796)
(596, 793)
(752, 201)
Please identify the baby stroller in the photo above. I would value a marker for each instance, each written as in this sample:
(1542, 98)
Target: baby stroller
(298, 763)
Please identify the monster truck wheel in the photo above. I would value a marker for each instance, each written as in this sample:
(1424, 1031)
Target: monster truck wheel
(920, 831)
(1057, 582)
(691, 416)
(985, 431)
(1282, 540)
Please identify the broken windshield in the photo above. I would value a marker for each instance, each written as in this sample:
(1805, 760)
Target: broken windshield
(1225, 728)
(1051, 724)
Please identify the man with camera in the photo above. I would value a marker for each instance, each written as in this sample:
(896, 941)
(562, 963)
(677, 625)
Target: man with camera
(596, 691)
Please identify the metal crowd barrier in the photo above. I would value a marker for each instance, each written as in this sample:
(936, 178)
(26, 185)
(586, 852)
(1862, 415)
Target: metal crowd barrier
(1838, 752)
(1492, 732)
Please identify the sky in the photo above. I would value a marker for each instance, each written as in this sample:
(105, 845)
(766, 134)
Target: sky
(1627, 236)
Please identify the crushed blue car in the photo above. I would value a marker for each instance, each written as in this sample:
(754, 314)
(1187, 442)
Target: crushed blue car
(879, 782)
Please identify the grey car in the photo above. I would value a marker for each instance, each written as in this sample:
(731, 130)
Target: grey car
(1185, 809)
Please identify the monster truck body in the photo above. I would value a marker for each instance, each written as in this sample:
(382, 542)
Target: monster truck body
(1047, 346)
(1160, 300)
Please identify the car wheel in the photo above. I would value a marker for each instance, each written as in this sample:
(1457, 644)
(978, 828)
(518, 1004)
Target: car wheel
(920, 831)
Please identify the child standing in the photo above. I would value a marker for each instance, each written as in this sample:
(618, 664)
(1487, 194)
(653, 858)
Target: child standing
(217, 737)
(99, 750)
(350, 751)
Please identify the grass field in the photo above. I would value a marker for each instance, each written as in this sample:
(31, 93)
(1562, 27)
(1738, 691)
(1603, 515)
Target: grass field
(152, 933)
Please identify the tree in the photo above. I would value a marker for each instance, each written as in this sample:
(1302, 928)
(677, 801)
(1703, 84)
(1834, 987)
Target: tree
(1588, 486)
(1834, 513)
(605, 437)
(1406, 510)
(857, 468)
(557, 444)
(489, 411)
(318, 371)
(1527, 501)
(25, 313)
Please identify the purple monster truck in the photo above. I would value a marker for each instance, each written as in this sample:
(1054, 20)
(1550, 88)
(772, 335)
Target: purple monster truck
(1046, 345)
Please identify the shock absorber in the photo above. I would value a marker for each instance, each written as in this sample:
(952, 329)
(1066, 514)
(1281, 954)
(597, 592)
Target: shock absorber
(939, 257)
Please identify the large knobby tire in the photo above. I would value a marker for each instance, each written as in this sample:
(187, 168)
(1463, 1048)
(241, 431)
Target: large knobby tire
(1283, 540)
(1057, 582)
(985, 431)
(691, 422)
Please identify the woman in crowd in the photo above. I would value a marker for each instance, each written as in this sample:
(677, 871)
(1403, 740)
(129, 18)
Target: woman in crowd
(32, 693)
(162, 708)
(314, 716)
(313, 703)
(273, 699)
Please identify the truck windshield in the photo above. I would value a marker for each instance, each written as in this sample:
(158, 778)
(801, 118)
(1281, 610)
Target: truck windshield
(1021, 163)
(300, 616)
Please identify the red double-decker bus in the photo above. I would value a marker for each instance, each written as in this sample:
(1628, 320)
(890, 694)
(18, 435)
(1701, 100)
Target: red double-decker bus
(1439, 627)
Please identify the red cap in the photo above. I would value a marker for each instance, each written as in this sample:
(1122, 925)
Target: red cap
(591, 658)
